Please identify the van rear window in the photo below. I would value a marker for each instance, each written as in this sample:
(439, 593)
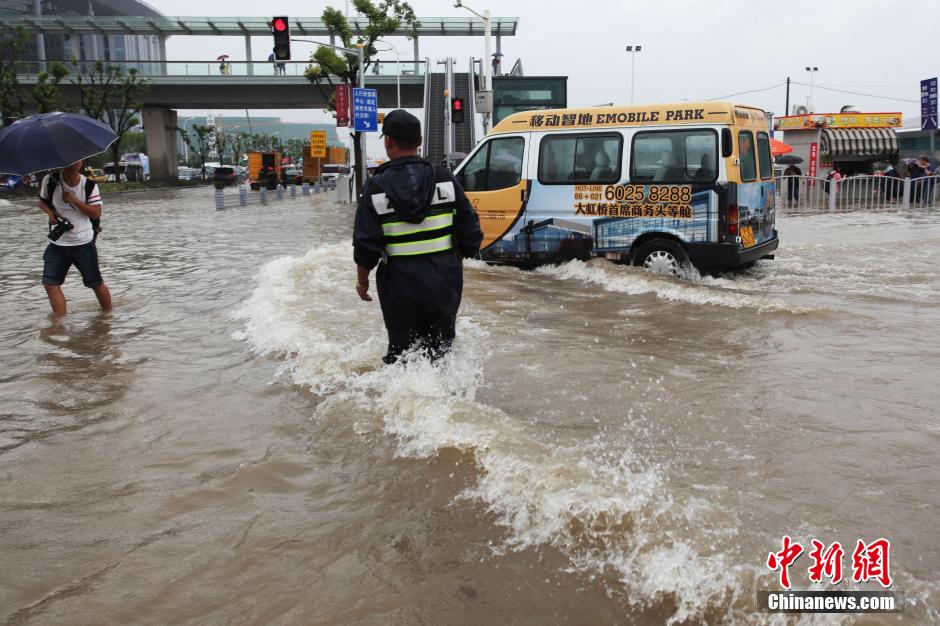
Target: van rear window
(763, 154)
(590, 159)
(746, 156)
(674, 156)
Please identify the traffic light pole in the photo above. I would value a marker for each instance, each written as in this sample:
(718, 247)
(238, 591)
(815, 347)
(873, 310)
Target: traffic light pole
(361, 137)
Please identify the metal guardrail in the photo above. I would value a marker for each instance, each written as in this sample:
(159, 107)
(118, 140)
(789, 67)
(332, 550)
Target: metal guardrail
(857, 192)
(228, 68)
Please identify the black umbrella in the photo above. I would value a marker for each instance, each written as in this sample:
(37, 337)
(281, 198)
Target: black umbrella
(50, 140)
(788, 159)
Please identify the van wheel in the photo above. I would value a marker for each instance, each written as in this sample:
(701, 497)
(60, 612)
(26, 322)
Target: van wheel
(661, 256)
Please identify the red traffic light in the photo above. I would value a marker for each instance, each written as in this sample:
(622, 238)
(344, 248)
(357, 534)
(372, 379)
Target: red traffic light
(456, 110)
(279, 24)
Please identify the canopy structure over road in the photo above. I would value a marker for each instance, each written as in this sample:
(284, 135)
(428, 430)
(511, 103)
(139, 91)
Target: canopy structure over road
(236, 26)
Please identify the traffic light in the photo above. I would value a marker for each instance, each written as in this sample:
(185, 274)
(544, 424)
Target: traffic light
(280, 28)
(456, 110)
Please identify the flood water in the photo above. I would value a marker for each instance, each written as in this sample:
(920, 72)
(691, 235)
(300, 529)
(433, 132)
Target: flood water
(602, 446)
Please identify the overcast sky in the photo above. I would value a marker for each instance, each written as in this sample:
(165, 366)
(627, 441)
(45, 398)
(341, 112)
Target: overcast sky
(692, 49)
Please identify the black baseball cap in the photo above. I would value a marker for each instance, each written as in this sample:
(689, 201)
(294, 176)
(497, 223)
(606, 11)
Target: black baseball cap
(400, 124)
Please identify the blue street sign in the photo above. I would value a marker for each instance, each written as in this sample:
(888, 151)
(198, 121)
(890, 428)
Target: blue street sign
(365, 110)
(928, 104)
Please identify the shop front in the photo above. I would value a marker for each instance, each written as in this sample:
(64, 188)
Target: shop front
(855, 143)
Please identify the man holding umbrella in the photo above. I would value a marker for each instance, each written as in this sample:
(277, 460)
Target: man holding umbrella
(73, 205)
(68, 199)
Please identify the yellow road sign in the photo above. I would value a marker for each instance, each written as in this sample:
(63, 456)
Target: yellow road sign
(318, 144)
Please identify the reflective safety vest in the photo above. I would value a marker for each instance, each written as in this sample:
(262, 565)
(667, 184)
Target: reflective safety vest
(432, 234)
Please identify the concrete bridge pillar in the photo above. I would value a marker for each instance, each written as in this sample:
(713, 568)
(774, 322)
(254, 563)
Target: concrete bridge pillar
(160, 130)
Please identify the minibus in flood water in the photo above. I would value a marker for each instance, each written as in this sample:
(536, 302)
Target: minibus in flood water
(656, 186)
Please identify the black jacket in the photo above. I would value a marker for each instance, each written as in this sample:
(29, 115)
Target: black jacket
(414, 288)
(409, 183)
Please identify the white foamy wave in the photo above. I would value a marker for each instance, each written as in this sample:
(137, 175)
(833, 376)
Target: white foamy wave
(632, 281)
(5, 203)
(605, 508)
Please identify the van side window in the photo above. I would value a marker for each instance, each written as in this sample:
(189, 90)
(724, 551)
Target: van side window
(497, 165)
(674, 156)
(763, 154)
(567, 159)
(746, 156)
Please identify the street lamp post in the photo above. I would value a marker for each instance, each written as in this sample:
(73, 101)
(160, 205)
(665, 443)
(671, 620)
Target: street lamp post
(812, 69)
(633, 51)
(225, 133)
(487, 41)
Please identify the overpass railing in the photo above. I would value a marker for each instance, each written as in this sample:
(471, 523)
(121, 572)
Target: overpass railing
(857, 192)
(218, 68)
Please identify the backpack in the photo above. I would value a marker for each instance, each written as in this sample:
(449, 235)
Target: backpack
(89, 188)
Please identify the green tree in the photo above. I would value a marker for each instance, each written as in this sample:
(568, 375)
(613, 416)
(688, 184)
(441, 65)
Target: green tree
(200, 146)
(46, 91)
(294, 148)
(109, 94)
(12, 49)
(381, 19)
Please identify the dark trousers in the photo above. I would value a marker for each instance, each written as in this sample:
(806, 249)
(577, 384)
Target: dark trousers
(793, 190)
(433, 336)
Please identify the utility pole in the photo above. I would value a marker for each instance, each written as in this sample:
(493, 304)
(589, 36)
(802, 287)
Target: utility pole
(448, 94)
(786, 111)
(362, 136)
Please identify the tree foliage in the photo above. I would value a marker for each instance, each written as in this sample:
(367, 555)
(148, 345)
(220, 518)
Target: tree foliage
(200, 145)
(12, 50)
(381, 18)
(46, 92)
(112, 96)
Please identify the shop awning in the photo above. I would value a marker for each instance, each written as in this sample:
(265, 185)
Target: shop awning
(859, 142)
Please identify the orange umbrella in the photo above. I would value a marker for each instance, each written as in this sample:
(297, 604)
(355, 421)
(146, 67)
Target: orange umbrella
(778, 148)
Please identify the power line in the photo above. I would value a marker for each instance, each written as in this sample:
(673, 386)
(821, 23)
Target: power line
(854, 93)
(740, 93)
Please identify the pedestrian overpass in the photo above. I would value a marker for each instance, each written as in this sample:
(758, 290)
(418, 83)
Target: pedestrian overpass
(241, 84)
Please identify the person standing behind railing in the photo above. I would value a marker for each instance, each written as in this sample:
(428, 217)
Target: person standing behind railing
(929, 179)
(793, 183)
(916, 172)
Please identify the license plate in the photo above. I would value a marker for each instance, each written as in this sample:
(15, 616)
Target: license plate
(747, 236)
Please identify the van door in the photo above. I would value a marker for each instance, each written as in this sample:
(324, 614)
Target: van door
(494, 180)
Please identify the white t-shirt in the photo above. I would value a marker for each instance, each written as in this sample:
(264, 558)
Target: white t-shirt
(82, 232)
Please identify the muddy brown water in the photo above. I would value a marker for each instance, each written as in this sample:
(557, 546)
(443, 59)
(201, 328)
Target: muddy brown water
(603, 446)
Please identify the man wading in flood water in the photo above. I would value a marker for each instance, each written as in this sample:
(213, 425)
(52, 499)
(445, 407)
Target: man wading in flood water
(416, 220)
(71, 202)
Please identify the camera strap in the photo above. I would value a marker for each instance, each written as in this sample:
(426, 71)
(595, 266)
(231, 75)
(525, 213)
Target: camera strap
(54, 181)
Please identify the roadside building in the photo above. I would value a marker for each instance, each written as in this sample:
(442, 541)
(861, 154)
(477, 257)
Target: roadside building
(148, 50)
(915, 143)
(853, 142)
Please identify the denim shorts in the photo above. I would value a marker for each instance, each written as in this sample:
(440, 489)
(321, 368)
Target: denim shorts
(58, 259)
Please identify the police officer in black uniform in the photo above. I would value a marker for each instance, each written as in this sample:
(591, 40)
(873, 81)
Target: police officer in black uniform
(416, 224)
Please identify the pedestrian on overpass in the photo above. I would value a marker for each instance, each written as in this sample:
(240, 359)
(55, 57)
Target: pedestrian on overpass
(416, 224)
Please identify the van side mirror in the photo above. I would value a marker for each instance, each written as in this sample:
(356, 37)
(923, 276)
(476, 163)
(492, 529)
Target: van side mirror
(727, 145)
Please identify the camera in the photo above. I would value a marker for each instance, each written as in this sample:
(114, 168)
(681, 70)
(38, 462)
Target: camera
(62, 226)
